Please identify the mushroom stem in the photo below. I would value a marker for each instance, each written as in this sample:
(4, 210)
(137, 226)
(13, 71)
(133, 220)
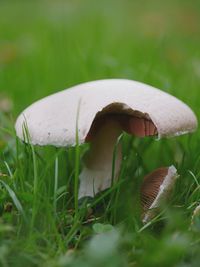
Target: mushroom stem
(96, 175)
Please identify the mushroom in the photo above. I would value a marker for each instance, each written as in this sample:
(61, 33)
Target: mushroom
(156, 187)
(194, 225)
(100, 111)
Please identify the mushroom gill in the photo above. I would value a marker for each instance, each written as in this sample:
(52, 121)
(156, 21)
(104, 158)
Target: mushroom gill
(156, 188)
(151, 186)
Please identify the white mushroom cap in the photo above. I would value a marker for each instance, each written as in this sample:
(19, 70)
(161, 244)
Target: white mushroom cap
(52, 120)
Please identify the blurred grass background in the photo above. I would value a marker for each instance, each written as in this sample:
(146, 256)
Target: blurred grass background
(47, 46)
(50, 45)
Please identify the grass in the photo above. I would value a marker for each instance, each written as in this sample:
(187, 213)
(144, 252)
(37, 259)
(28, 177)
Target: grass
(46, 46)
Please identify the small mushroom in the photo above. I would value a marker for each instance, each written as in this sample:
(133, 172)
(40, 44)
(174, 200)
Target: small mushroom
(156, 187)
(195, 220)
(103, 110)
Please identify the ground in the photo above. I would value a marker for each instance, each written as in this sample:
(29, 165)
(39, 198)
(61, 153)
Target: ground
(47, 46)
